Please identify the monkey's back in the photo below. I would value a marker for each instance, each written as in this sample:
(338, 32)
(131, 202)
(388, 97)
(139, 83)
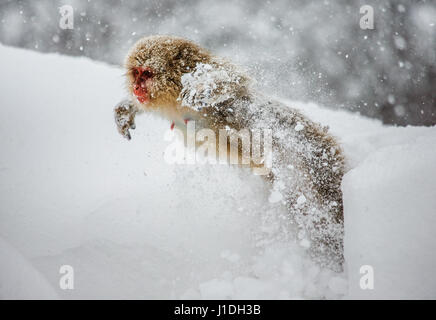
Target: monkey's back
(307, 162)
(307, 169)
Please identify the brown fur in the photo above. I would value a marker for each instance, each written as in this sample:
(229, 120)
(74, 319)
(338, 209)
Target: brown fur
(175, 57)
(314, 152)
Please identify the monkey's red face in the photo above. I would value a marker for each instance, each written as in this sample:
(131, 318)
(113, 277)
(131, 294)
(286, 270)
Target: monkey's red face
(142, 80)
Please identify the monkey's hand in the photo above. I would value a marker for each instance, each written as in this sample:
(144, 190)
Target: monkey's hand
(125, 113)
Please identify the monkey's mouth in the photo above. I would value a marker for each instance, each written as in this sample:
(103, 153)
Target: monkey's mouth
(143, 98)
(141, 93)
(142, 77)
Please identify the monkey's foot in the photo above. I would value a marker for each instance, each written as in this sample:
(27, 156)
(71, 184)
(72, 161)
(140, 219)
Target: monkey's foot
(125, 113)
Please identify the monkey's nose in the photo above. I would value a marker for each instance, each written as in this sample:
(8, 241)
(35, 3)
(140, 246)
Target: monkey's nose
(140, 93)
(139, 90)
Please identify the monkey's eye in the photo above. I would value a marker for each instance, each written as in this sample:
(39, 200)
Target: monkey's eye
(147, 74)
(141, 73)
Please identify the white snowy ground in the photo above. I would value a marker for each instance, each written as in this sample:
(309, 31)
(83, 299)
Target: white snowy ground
(74, 192)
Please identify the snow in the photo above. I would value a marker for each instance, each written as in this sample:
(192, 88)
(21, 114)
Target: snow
(301, 199)
(208, 85)
(391, 217)
(275, 196)
(299, 127)
(74, 192)
(19, 279)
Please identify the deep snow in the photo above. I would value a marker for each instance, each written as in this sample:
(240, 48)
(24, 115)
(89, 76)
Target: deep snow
(74, 192)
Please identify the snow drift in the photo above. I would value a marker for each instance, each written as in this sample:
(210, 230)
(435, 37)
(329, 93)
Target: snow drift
(74, 192)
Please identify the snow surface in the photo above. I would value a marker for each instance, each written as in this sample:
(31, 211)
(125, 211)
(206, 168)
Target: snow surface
(74, 192)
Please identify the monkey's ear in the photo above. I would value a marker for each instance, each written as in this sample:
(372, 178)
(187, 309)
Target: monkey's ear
(187, 52)
(181, 52)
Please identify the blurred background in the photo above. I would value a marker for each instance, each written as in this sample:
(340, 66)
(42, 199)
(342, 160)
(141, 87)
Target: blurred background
(297, 49)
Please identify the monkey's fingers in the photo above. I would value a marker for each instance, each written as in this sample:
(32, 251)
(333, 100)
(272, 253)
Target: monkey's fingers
(127, 135)
(124, 131)
(124, 114)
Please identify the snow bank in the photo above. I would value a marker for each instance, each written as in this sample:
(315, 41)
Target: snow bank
(19, 279)
(74, 192)
(390, 205)
(389, 197)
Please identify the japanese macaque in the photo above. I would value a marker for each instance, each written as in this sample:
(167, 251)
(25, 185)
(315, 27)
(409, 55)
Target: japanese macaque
(183, 82)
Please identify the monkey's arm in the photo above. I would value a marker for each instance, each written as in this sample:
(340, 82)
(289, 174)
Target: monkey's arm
(125, 112)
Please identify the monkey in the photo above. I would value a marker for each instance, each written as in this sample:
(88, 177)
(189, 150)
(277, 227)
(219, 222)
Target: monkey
(181, 81)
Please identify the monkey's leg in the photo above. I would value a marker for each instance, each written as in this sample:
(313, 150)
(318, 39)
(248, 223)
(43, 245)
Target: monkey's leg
(125, 113)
